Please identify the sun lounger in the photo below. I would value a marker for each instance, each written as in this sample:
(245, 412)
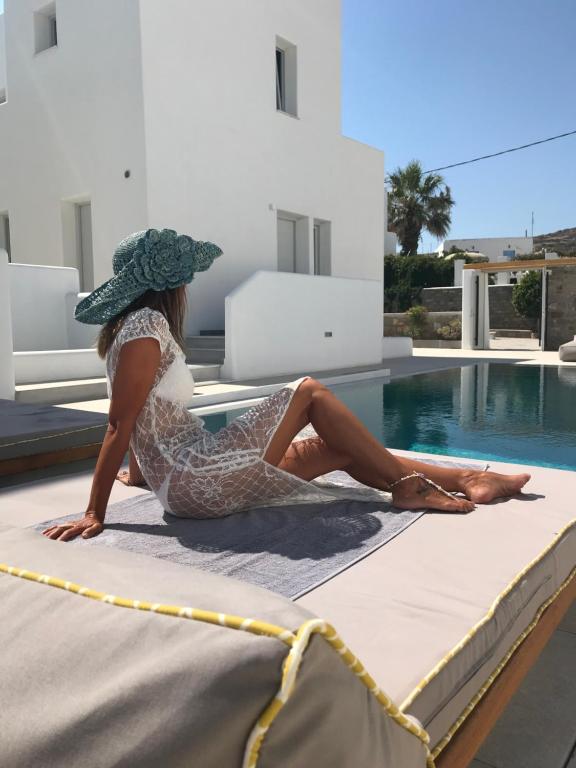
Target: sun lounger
(445, 619)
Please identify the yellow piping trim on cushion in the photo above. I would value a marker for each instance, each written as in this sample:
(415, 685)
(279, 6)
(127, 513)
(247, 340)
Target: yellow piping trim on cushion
(480, 694)
(253, 626)
(296, 642)
(290, 671)
(476, 628)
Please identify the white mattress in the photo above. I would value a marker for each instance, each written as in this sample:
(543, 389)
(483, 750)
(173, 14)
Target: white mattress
(435, 613)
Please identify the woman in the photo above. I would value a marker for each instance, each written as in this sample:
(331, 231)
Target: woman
(253, 460)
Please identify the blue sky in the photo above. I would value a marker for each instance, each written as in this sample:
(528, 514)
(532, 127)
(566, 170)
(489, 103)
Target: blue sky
(449, 80)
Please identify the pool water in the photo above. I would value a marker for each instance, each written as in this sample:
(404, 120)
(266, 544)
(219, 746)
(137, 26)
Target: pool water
(499, 412)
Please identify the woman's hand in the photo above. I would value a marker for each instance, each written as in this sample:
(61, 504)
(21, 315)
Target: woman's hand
(87, 527)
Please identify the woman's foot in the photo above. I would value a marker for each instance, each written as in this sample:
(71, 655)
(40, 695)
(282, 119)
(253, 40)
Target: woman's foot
(416, 493)
(125, 478)
(483, 487)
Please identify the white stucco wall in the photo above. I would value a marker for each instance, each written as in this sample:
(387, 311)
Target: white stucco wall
(268, 334)
(58, 365)
(492, 247)
(39, 310)
(2, 54)
(221, 161)
(43, 300)
(390, 243)
(396, 346)
(186, 102)
(72, 125)
(7, 391)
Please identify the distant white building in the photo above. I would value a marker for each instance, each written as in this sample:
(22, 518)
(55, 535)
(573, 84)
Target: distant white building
(122, 115)
(494, 248)
(390, 238)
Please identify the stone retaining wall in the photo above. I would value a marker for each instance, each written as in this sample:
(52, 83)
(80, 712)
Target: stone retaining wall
(396, 323)
(502, 313)
(442, 299)
(561, 318)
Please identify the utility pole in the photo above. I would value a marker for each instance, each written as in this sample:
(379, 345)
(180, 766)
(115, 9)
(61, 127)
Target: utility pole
(532, 235)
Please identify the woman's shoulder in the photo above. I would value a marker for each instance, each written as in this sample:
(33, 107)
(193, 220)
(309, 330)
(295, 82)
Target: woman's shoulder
(144, 322)
(146, 315)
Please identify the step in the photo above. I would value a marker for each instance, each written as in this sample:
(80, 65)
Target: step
(205, 342)
(57, 392)
(205, 356)
(511, 333)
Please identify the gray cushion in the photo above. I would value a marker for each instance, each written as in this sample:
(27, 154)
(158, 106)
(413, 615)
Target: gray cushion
(567, 352)
(91, 683)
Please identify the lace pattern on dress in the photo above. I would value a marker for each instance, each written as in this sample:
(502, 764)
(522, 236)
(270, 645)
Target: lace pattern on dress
(193, 472)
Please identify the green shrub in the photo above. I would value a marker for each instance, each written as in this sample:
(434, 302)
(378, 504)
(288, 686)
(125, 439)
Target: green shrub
(405, 276)
(417, 319)
(452, 331)
(527, 295)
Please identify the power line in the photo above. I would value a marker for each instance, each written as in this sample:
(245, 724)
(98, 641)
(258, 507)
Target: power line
(504, 152)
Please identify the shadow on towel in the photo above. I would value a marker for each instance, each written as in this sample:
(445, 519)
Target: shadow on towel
(289, 549)
(323, 530)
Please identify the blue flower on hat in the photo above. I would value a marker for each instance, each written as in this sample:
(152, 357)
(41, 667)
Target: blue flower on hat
(152, 260)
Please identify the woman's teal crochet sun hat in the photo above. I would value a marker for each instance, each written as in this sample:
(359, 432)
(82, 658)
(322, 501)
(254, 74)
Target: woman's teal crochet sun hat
(151, 260)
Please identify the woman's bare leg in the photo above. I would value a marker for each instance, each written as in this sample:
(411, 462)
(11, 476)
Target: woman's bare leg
(311, 458)
(477, 485)
(369, 462)
(343, 433)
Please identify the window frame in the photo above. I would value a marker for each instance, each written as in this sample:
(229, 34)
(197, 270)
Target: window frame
(45, 21)
(286, 77)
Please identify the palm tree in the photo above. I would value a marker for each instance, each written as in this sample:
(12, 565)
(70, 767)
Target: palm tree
(417, 201)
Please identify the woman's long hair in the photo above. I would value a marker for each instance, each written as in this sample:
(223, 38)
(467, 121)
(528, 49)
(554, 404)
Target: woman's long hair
(171, 303)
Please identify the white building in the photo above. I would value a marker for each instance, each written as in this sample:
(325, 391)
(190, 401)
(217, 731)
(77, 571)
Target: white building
(125, 114)
(496, 249)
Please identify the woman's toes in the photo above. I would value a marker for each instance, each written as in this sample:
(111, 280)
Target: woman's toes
(461, 505)
(487, 486)
(419, 495)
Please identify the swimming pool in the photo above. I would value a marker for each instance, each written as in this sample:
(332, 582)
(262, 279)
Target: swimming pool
(498, 412)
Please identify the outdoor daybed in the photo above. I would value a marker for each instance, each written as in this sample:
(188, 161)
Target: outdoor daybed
(440, 617)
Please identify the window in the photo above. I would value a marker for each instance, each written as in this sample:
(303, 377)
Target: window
(5, 234)
(77, 240)
(84, 256)
(286, 77)
(3, 80)
(293, 250)
(280, 80)
(45, 28)
(322, 265)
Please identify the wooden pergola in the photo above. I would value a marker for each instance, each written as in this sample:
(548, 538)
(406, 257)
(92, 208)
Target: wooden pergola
(520, 265)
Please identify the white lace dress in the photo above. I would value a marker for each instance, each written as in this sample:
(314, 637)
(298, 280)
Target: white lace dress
(196, 473)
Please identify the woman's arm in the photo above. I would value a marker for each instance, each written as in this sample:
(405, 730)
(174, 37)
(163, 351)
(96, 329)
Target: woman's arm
(137, 366)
